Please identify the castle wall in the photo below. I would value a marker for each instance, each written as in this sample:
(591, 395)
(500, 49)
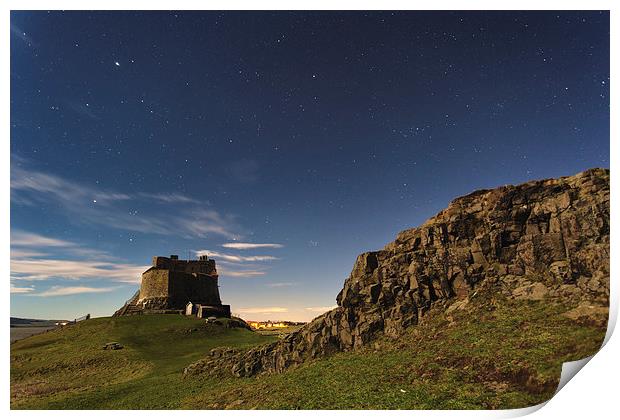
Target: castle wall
(154, 284)
(198, 288)
(193, 266)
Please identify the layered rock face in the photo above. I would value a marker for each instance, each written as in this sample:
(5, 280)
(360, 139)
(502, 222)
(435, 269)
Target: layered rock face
(540, 239)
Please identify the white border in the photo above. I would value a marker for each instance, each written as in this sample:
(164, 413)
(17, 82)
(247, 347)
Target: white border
(592, 395)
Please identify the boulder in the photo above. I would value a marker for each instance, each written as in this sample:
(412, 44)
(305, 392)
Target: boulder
(112, 346)
(589, 313)
(534, 291)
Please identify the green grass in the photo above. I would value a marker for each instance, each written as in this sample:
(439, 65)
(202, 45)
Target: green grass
(67, 368)
(507, 355)
(504, 354)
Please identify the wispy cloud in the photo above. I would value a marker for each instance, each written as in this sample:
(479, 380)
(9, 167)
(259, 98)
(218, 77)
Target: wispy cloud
(246, 245)
(35, 269)
(320, 309)
(28, 244)
(267, 310)
(236, 258)
(46, 186)
(83, 110)
(34, 258)
(171, 198)
(242, 273)
(242, 270)
(29, 239)
(72, 290)
(19, 33)
(237, 265)
(20, 290)
(201, 222)
(87, 204)
(24, 253)
(280, 284)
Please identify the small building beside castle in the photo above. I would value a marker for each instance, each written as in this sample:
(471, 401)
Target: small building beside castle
(177, 286)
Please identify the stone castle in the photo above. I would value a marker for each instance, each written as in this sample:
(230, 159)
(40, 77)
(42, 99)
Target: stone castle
(172, 285)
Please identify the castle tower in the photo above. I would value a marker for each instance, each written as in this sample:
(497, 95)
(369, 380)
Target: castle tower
(171, 283)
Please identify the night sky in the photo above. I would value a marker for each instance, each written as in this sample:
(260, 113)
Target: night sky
(282, 143)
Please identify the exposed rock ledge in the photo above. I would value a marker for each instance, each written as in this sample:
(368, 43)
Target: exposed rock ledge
(540, 239)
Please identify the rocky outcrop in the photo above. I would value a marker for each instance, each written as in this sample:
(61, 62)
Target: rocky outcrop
(536, 240)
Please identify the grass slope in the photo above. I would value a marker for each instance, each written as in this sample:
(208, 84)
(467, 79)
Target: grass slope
(497, 354)
(67, 368)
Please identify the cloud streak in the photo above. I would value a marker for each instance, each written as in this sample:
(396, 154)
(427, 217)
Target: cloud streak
(241, 270)
(21, 290)
(82, 110)
(90, 205)
(72, 290)
(236, 258)
(15, 30)
(29, 239)
(33, 260)
(237, 265)
(37, 269)
(266, 310)
(171, 198)
(242, 273)
(28, 244)
(246, 245)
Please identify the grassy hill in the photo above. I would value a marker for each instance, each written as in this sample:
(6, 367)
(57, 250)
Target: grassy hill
(497, 354)
(67, 368)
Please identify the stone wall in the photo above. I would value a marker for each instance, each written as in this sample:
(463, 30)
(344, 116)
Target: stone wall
(199, 288)
(154, 284)
(191, 266)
